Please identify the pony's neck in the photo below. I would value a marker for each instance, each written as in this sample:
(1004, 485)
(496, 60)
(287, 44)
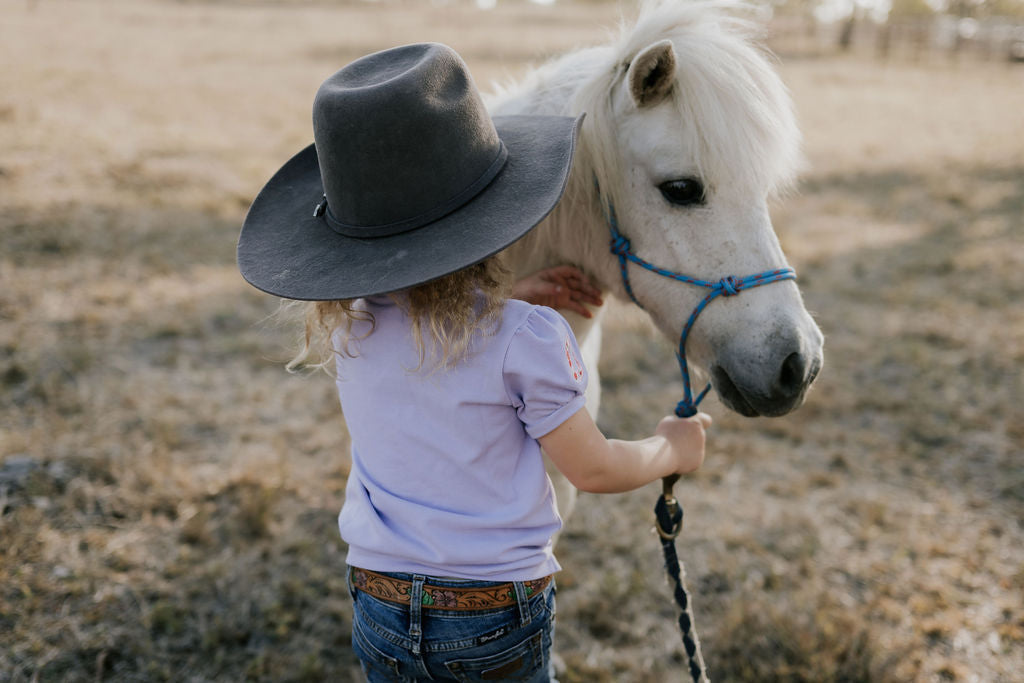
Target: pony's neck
(576, 231)
(568, 235)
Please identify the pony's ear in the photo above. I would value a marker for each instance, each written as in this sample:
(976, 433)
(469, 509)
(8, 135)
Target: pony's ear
(652, 73)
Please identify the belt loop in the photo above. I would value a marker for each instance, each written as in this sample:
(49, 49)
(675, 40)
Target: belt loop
(523, 602)
(350, 582)
(416, 613)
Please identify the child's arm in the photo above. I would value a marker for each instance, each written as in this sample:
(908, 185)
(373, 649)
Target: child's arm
(561, 287)
(598, 465)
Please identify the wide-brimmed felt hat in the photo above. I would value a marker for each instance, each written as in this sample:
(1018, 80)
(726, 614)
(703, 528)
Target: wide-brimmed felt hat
(409, 179)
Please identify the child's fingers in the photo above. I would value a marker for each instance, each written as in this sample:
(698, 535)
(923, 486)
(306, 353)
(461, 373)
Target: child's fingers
(573, 275)
(578, 283)
(588, 296)
(584, 284)
(703, 418)
(566, 287)
(548, 292)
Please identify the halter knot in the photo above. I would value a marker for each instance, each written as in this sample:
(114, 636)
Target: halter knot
(729, 286)
(620, 245)
(685, 408)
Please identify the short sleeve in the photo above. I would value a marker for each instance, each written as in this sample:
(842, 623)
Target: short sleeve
(544, 374)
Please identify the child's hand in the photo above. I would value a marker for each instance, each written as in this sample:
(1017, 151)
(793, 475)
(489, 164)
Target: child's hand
(685, 436)
(593, 463)
(564, 287)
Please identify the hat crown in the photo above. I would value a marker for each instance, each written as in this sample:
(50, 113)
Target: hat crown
(402, 138)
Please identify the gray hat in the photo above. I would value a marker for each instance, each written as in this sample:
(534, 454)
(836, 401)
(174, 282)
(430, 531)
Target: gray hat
(409, 179)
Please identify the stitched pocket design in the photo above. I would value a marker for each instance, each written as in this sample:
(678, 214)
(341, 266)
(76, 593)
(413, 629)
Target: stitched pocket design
(521, 662)
(376, 665)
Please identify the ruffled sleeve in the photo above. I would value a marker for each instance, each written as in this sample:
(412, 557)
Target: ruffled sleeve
(544, 374)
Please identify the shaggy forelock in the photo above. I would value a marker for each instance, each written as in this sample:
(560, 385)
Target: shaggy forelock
(740, 121)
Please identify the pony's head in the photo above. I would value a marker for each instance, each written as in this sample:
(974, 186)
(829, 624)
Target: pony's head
(689, 132)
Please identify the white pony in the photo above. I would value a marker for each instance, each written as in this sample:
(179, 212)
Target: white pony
(688, 132)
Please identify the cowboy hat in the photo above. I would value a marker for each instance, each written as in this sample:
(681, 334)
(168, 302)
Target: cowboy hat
(408, 179)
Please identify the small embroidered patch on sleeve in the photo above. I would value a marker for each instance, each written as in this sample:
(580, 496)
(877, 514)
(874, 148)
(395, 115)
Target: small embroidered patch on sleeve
(575, 366)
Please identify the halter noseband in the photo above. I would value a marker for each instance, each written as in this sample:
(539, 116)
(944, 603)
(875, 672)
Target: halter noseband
(727, 286)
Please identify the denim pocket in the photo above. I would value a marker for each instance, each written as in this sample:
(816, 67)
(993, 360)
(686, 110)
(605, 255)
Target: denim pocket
(521, 662)
(378, 666)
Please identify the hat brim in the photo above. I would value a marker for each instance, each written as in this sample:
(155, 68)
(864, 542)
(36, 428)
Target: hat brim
(285, 251)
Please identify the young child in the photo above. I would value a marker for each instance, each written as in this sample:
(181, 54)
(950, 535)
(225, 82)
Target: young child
(450, 390)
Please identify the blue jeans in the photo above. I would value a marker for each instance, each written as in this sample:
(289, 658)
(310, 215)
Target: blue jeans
(408, 643)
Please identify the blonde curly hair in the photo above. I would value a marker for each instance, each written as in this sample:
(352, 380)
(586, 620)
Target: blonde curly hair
(445, 314)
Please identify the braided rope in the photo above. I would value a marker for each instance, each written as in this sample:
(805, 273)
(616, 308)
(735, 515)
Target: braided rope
(669, 516)
(668, 512)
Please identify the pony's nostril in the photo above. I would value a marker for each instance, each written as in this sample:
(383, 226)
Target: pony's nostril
(791, 378)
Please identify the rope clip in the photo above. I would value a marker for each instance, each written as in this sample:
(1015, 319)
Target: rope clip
(672, 506)
(668, 510)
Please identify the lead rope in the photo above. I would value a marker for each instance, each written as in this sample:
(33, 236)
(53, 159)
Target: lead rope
(668, 512)
(668, 515)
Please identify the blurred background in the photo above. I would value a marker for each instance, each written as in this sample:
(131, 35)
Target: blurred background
(168, 493)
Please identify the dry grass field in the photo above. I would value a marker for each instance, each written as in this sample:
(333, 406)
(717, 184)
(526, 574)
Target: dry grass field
(168, 493)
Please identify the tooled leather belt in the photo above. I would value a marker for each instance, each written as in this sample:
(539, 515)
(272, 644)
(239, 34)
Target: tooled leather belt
(443, 597)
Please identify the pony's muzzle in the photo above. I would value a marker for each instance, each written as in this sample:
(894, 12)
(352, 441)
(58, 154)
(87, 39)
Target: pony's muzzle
(741, 388)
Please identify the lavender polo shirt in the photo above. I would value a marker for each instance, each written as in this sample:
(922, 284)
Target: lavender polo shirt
(447, 476)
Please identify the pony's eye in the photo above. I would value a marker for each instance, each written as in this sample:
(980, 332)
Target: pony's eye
(683, 191)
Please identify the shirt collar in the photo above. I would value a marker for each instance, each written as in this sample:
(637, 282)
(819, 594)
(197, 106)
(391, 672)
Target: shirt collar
(380, 300)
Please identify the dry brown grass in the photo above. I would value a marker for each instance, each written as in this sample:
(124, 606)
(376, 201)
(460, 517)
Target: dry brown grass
(168, 493)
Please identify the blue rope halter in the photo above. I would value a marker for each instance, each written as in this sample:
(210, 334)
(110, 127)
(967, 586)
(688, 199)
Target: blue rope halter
(727, 286)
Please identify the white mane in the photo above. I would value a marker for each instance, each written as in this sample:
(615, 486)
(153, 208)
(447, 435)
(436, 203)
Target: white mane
(742, 127)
